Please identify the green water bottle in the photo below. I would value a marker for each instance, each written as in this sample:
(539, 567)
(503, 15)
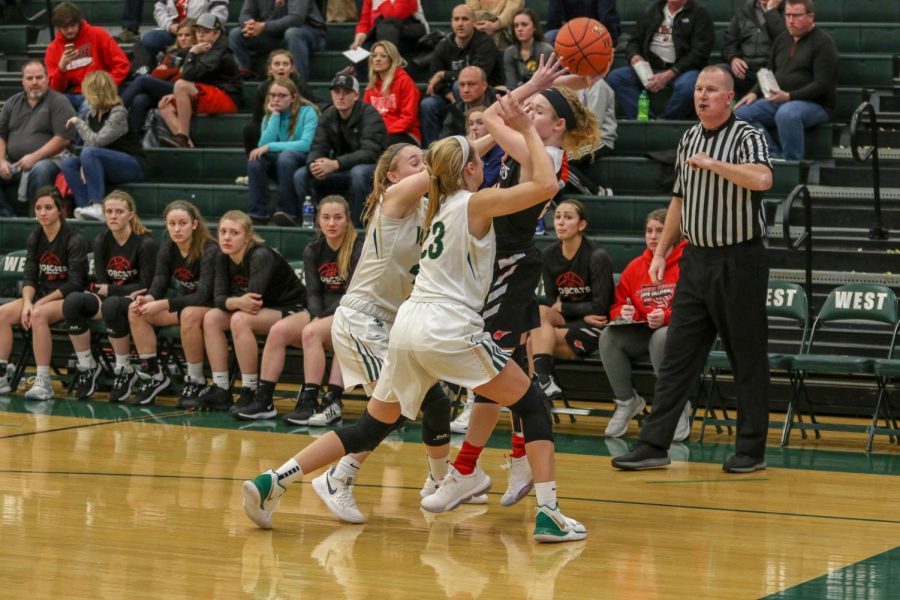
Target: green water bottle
(643, 113)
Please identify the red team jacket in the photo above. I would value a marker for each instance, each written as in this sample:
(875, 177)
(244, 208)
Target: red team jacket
(400, 108)
(96, 51)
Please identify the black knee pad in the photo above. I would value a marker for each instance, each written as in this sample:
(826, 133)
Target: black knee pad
(114, 311)
(520, 357)
(532, 409)
(78, 308)
(366, 433)
(436, 417)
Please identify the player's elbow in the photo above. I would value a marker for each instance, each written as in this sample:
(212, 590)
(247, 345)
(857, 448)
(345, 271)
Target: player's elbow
(549, 187)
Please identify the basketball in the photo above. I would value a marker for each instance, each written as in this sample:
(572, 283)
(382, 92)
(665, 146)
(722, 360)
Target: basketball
(585, 47)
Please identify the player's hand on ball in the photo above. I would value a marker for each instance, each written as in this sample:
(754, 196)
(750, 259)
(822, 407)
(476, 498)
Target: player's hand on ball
(548, 72)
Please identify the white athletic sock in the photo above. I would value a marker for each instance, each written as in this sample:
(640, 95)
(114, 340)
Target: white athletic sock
(288, 473)
(43, 371)
(439, 467)
(546, 493)
(195, 371)
(249, 381)
(86, 359)
(347, 467)
(220, 379)
(122, 360)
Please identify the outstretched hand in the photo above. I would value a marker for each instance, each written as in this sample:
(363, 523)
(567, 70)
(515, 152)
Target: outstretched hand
(548, 72)
(510, 110)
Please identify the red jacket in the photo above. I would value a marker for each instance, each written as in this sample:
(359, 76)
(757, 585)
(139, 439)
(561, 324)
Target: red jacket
(400, 108)
(390, 9)
(96, 51)
(634, 284)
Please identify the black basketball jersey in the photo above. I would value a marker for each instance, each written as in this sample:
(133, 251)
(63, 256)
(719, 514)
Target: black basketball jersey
(192, 280)
(125, 268)
(515, 232)
(262, 271)
(584, 284)
(324, 284)
(60, 264)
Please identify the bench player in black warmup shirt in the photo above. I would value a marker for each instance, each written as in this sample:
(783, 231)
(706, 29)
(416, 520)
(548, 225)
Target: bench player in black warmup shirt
(328, 263)
(511, 310)
(254, 289)
(124, 260)
(55, 266)
(187, 262)
(578, 282)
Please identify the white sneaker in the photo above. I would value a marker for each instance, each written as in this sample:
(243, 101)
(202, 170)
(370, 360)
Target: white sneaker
(455, 489)
(261, 497)
(683, 429)
(326, 415)
(92, 212)
(550, 387)
(337, 494)
(41, 389)
(431, 485)
(625, 411)
(461, 423)
(550, 525)
(242, 180)
(520, 482)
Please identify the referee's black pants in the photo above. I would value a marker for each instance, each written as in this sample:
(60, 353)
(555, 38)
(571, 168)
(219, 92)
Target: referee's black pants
(719, 290)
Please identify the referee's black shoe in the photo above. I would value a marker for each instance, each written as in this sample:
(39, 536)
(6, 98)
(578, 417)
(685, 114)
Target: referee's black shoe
(643, 456)
(744, 463)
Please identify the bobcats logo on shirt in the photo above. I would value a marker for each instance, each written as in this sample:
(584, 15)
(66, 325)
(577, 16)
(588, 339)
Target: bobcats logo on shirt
(51, 267)
(185, 278)
(330, 276)
(119, 270)
(240, 282)
(571, 287)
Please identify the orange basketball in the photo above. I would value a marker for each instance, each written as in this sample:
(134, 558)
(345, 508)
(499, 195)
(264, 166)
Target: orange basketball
(585, 47)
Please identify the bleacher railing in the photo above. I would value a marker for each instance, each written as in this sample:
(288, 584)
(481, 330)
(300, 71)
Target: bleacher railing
(801, 192)
(862, 153)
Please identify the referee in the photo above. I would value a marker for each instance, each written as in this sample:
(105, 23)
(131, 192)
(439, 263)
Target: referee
(722, 170)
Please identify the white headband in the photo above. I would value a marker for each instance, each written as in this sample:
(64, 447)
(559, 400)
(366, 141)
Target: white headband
(464, 144)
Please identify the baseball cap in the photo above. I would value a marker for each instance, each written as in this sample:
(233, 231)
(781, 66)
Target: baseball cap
(209, 21)
(345, 81)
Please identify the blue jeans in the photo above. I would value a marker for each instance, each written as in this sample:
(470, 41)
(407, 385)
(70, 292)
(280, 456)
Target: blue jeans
(627, 85)
(141, 95)
(131, 14)
(100, 166)
(301, 42)
(157, 41)
(432, 111)
(357, 181)
(282, 165)
(789, 119)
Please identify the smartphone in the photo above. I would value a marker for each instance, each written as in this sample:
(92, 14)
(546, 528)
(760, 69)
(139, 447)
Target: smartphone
(69, 47)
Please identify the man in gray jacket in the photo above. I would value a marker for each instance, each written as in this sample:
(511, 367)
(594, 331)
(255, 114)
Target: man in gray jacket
(269, 24)
(349, 139)
(748, 40)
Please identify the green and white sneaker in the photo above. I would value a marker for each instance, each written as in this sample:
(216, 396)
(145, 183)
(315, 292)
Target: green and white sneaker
(261, 498)
(550, 526)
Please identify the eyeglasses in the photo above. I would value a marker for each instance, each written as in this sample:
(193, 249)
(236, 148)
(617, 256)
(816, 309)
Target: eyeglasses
(275, 95)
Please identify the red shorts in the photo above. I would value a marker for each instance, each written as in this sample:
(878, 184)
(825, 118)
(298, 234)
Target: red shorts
(211, 100)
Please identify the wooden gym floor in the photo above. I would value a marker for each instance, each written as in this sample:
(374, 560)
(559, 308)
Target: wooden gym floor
(106, 501)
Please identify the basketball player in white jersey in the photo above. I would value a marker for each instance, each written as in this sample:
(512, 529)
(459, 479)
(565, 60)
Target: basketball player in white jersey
(455, 271)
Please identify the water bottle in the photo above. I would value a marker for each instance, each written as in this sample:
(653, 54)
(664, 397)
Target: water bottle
(309, 214)
(643, 113)
(541, 228)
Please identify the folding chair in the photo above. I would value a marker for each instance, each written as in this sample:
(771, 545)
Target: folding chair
(855, 303)
(786, 304)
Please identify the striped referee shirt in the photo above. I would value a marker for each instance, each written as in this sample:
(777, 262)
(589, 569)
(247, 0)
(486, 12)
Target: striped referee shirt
(717, 212)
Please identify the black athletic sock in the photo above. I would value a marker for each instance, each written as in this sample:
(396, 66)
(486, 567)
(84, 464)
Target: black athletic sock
(336, 392)
(265, 389)
(308, 388)
(543, 366)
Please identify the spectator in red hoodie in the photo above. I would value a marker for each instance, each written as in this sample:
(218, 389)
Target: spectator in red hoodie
(80, 48)
(641, 319)
(401, 22)
(394, 94)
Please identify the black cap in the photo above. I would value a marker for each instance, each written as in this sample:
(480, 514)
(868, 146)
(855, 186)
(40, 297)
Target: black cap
(348, 82)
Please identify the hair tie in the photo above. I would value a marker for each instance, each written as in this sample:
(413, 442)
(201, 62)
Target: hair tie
(561, 106)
